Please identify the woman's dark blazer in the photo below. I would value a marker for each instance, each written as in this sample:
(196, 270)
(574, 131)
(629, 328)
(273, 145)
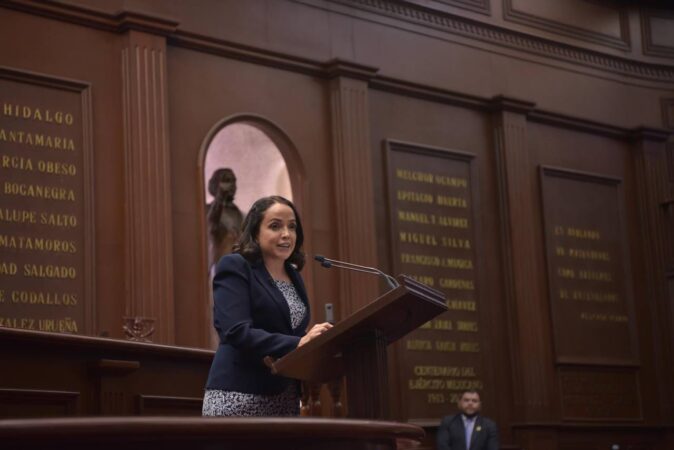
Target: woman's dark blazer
(252, 319)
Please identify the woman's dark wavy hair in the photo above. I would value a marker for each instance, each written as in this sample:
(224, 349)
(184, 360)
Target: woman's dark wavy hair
(247, 245)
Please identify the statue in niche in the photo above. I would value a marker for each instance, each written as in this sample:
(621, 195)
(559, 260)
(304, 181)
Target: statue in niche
(224, 217)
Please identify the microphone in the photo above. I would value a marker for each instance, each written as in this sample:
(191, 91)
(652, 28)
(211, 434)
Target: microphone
(328, 263)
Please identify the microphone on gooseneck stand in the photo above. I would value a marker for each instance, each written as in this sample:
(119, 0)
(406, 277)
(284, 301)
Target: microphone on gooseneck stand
(328, 263)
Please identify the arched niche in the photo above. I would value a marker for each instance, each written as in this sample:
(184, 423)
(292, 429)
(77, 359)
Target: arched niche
(264, 161)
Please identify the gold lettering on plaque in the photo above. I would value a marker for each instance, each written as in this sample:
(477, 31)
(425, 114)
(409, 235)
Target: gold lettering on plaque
(593, 275)
(453, 242)
(16, 163)
(425, 279)
(453, 222)
(472, 347)
(2, 296)
(444, 371)
(441, 324)
(57, 168)
(43, 298)
(39, 191)
(15, 322)
(454, 283)
(37, 114)
(588, 296)
(49, 271)
(452, 202)
(17, 215)
(566, 272)
(435, 398)
(604, 317)
(416, 197)
(436, 384)
(8, 268)
(581, 233)
(37, 140)
(37, 243)
(592, 255)
(445, 346)
(413, 175)
(451, 181)
(58, 220)
(415, 217)
(419, 344)
(461, 305)
(417, 238)
(436, 261)
(469, 326)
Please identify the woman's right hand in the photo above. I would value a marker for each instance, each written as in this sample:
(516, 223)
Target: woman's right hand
(315, 331)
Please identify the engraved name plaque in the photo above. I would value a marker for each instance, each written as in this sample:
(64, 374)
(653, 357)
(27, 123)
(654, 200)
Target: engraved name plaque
(432, 219)
(45, 203)
(589, 280)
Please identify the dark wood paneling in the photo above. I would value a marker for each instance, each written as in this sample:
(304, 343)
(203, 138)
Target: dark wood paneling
(432, 197)
(588, 267)
(604, 14)
(657, 29)
(525, 42)
(46, 139)
(94, 376)
(16, 403)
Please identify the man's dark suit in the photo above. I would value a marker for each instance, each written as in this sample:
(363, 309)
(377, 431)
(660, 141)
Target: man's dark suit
(452, 435)
(252, 319)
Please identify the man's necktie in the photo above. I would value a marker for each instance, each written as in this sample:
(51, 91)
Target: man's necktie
(470, 423)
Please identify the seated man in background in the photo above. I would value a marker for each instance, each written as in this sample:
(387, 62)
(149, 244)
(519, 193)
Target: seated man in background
(467, 430)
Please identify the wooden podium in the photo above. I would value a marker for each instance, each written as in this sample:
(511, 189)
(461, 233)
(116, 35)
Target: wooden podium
(356, 347)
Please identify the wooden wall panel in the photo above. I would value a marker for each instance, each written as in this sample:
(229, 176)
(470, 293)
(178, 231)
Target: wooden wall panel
(16, 403)
(594, 22)
(336, 79)
(657, 27)
(98, 58)
(148, 230)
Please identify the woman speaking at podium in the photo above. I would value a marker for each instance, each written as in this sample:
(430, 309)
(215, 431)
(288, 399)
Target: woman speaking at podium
(260, 309)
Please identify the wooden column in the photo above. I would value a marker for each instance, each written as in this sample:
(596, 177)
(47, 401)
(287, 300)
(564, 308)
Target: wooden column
(148, 231)
(652, 187)
(365, 359)
(530, 336)
(352, 162)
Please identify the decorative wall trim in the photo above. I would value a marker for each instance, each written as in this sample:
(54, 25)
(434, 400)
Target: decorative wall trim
(478, 6)
(491, 34)
(71, 344)
(511, 14)
(411, 13)
(95, 18)
(402, 87)
(148, 243)
(650, 47)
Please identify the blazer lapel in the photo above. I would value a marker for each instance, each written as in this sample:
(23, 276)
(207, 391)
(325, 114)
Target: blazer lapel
(459, 432)
(477, 432)
(264, 278)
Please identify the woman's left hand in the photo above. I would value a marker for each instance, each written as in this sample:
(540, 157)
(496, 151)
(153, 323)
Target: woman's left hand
(314, 332)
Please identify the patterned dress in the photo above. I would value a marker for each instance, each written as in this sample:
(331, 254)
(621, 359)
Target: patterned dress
(287, 403)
